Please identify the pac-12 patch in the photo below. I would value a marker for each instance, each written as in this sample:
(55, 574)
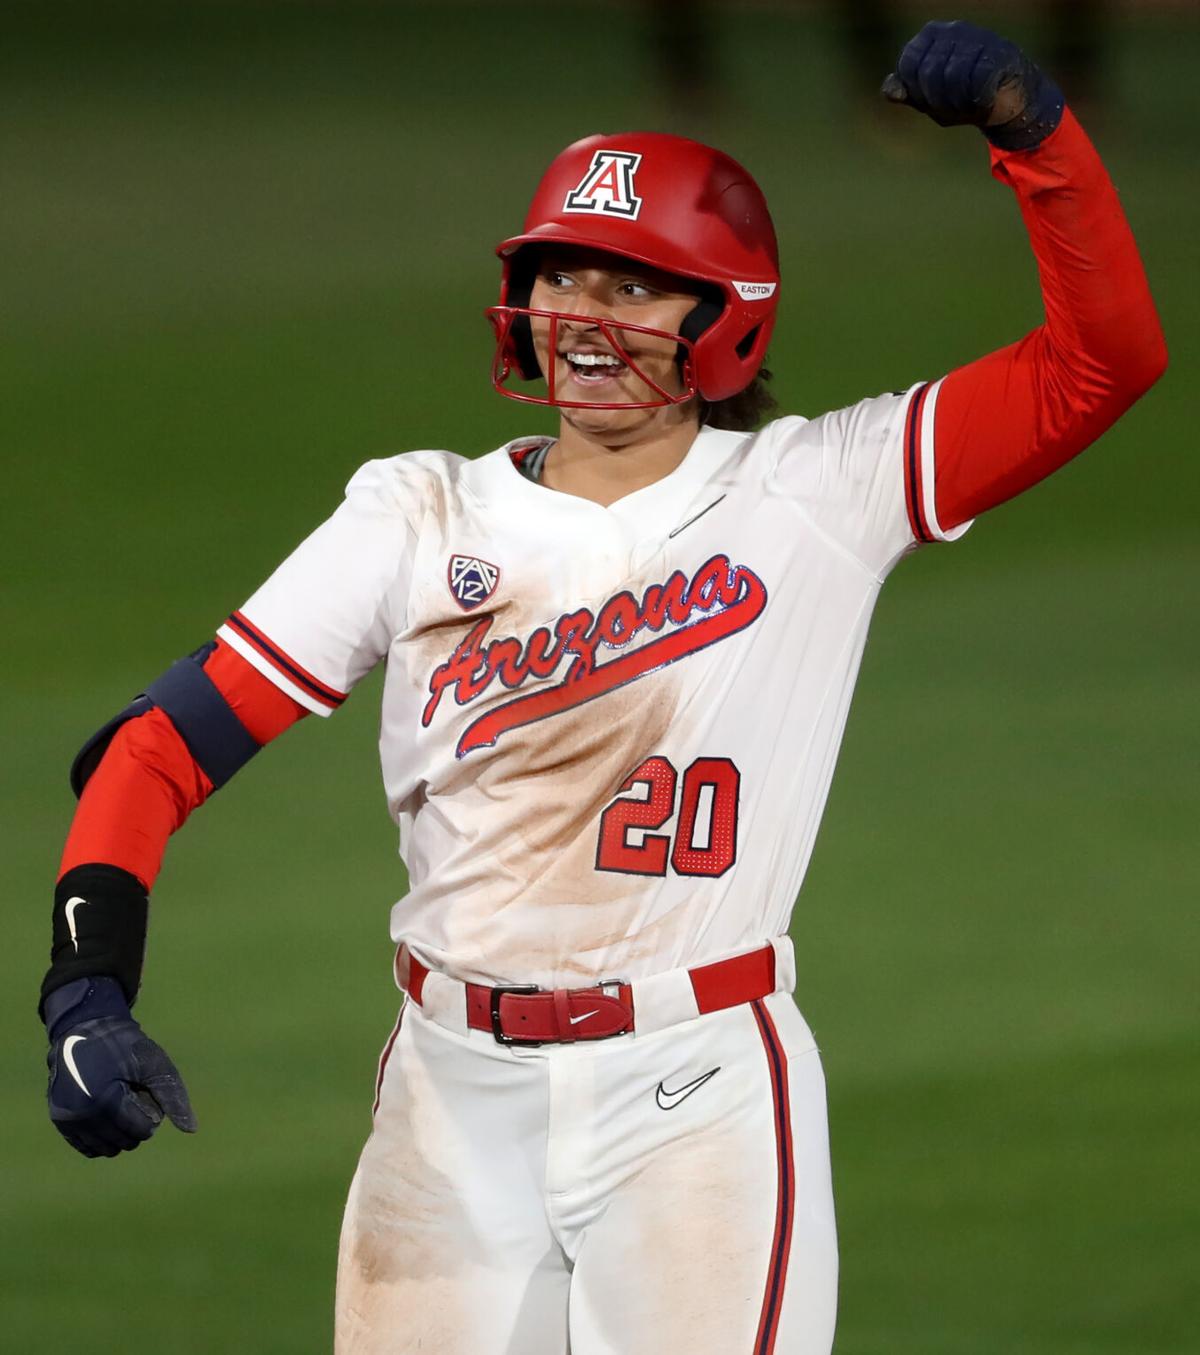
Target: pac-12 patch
(472, 581)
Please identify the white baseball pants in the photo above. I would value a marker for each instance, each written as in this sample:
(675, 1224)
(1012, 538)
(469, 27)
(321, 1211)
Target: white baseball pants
(655, 1193)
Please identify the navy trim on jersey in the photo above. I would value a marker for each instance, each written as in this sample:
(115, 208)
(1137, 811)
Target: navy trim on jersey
(916, 506)
(327, 696)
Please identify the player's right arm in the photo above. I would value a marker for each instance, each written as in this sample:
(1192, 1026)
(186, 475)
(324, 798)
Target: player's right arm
(138, 780)
(319, 624)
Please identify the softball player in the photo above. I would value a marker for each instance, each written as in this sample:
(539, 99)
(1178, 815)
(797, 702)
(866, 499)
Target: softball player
(619, 664)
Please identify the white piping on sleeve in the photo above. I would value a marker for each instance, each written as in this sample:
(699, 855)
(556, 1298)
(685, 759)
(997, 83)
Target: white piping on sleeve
(929, 471)
(268, 670)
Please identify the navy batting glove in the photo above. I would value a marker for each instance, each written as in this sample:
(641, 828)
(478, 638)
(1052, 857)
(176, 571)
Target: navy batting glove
(958, 73)
(110, 1084)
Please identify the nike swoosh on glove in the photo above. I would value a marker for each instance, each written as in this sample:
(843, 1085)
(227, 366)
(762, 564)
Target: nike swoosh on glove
(957, 73)
(110, 1084)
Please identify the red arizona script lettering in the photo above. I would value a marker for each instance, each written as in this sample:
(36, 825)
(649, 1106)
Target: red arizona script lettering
(719, 600)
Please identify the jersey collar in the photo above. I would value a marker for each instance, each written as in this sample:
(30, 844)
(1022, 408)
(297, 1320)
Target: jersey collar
(643, 512)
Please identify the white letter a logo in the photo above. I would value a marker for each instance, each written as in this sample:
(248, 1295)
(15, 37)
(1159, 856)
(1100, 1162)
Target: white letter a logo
(607, 186)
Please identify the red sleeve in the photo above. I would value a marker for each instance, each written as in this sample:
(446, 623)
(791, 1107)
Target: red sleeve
(147, 782)
(1008, 420)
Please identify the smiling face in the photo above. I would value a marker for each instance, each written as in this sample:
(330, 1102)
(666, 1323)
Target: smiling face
(589, 285)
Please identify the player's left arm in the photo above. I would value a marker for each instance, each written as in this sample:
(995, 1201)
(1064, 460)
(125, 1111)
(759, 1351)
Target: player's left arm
(1007, 420)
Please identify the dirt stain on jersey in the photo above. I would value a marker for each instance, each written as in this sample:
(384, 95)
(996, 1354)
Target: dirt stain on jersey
(530, 804)
(547, 906)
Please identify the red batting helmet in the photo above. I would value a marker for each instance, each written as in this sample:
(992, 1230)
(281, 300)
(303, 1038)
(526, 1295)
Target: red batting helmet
(678, 206)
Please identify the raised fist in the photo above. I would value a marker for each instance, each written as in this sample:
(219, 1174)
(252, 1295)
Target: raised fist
(957, 73)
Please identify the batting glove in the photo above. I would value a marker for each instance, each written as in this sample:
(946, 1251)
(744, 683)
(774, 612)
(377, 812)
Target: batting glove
(110, 1084)
(957, 73)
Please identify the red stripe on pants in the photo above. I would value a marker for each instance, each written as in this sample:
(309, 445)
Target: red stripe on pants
(383, 1062)
(781, 1244)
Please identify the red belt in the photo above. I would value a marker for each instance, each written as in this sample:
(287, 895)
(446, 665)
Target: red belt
(528, 1015)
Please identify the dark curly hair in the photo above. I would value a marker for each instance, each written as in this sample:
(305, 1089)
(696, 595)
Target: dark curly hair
(743, 412)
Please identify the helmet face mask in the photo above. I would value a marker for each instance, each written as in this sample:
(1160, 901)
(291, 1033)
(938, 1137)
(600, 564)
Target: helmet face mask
(669, 204)
(613, 333)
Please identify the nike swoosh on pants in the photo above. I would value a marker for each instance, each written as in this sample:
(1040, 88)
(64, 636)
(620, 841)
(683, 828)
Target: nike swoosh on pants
(669, 1100)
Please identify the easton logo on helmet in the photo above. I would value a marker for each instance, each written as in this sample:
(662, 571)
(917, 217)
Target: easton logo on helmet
(472, 581)
(607, 186)
(755, 291)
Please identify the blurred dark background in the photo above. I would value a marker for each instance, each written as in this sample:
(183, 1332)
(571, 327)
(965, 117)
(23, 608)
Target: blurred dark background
(244, 248)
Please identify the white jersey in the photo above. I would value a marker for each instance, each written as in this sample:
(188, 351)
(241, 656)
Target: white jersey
(607, 733)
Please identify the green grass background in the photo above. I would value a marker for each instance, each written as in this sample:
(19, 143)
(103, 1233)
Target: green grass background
(243, 249)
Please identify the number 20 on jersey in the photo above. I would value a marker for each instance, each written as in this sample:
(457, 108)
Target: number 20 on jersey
(705, 838)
